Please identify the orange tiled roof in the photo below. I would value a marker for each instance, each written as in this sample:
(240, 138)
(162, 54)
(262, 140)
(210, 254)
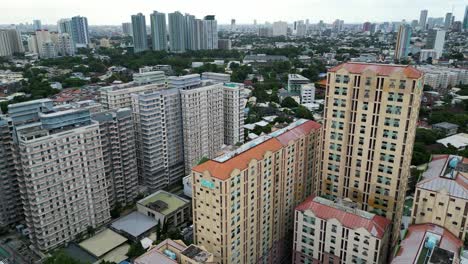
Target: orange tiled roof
(222, 170)
(377, 225)
(379, 69)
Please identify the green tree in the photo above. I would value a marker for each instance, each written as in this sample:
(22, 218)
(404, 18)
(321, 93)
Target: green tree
(59, 257)
(135, 250)
(302, 112)
(289, 102)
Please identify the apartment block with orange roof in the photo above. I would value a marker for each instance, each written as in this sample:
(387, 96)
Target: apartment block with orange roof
(243, 202)
(370, 117)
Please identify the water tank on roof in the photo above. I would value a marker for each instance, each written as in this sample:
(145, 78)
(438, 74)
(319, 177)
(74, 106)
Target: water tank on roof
(170, 254)
(453, 163)
(431, 242)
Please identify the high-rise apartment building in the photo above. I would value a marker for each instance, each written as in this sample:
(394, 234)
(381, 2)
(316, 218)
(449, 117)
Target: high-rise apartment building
(61, 173)
(37, 25)
(203, 122)
(370, 119)
(158, 31)
(280, 28)
(118, 96)
(64, 26)
(328, 231)
(177, 32)
(243, 202)
(448, 21)
(403, 42)
(436, 41)
(79, 31)
(233, 104)
(159, 136)
(184, 82)
(140, 37)
(190, 27)
(10, 42)
(423, 19)
(149, 76)
(465, 20)
(64, 45)
(210, 34)
(10, 199)
(119, 153)
(441, 195)
(216, 76)
(127, 29)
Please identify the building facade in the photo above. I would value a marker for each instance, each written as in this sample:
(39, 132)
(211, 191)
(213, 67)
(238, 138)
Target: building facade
(233, 104)
(118, 96)
(335, 232)
(243, 202)
(403, 42)
(140, 37)
(370, 118)
(119, 152)
(79, 31)
(10, 42)
(158, 31)
(177, 32)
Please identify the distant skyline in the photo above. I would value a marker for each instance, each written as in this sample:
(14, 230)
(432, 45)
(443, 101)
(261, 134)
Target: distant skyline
(106, 12)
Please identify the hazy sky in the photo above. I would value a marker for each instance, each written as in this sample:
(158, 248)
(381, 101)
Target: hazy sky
(114, 12)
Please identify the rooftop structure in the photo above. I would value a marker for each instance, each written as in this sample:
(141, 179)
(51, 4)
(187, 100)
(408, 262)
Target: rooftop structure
(163, 202)
(459, 141)
(134, 225)
(263, 58)
(103, 243)
(426, 243)
(379, 69)
(197, 254)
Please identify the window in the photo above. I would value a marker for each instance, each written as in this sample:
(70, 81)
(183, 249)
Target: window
(333, 229)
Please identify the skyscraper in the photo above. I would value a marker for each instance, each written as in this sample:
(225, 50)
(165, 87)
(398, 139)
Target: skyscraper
(448, 21)
(210, 26)
(158, 31)
(370, 120)
(465, 19)
(280, 28)
(60, 172)
(403, 42)
(233, 24)
(159, 137)
(10, 42)
(423, 19)
(64, 25)
(435, 41)
(233, 113)
(37, 25)
(243, 201)
(64, 45)
(80, 33)
(177, 32)
(140, 37)
(190, 38)
(127, 29)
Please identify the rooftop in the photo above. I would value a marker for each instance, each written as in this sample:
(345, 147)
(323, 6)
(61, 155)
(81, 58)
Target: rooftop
(163, 202)
(102, 243)
(445, 125)
(222, 166)
(458, 141)
(379, 69)
(347, 214)
(155, 255)
(414, 242)
(197, 254)
(449, 173)
(134, 224)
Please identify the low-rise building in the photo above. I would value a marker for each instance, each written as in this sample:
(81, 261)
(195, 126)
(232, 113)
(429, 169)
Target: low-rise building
(328, 231)
(428, 243)
(173, 252)
(307, 93)
(167, 208)
(447, 128)
(441, 196)
(134, 226)
(106, 245)
(458, 141)
(295, 82)
(148, 76)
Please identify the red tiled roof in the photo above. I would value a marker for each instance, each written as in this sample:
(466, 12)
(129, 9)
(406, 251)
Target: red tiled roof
(379, 69)
(377, 225)
(222, 170)
(410, 246)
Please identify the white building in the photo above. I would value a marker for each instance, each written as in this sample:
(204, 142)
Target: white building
(426, 54)
(10, 42)
(440, 77)
(307, 93)
(233, 105)
(214, 76)
(118, 96)
(184, 82)
(144, 76)
(280, 28)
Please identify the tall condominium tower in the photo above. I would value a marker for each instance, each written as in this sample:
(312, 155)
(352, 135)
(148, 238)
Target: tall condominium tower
(127, 29)
(370, 119)
(403, 42)
(233, 104)
(177, 32)
(190, 40)
(64, 25)
(158, 31)
(61, 172)
(243, 202)
(448, 21)
(119, 96)
(140, 37)
(80, 33)
(10, 42)
(435, 41)
(211, 32)
(119, 151)
(160, 143)
(10, 199)
(465, 19)
(203, 122)
(37, 25)
(280, 28)
(423, 19)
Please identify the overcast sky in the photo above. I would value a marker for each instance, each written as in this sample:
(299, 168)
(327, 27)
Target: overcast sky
(114, 12)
